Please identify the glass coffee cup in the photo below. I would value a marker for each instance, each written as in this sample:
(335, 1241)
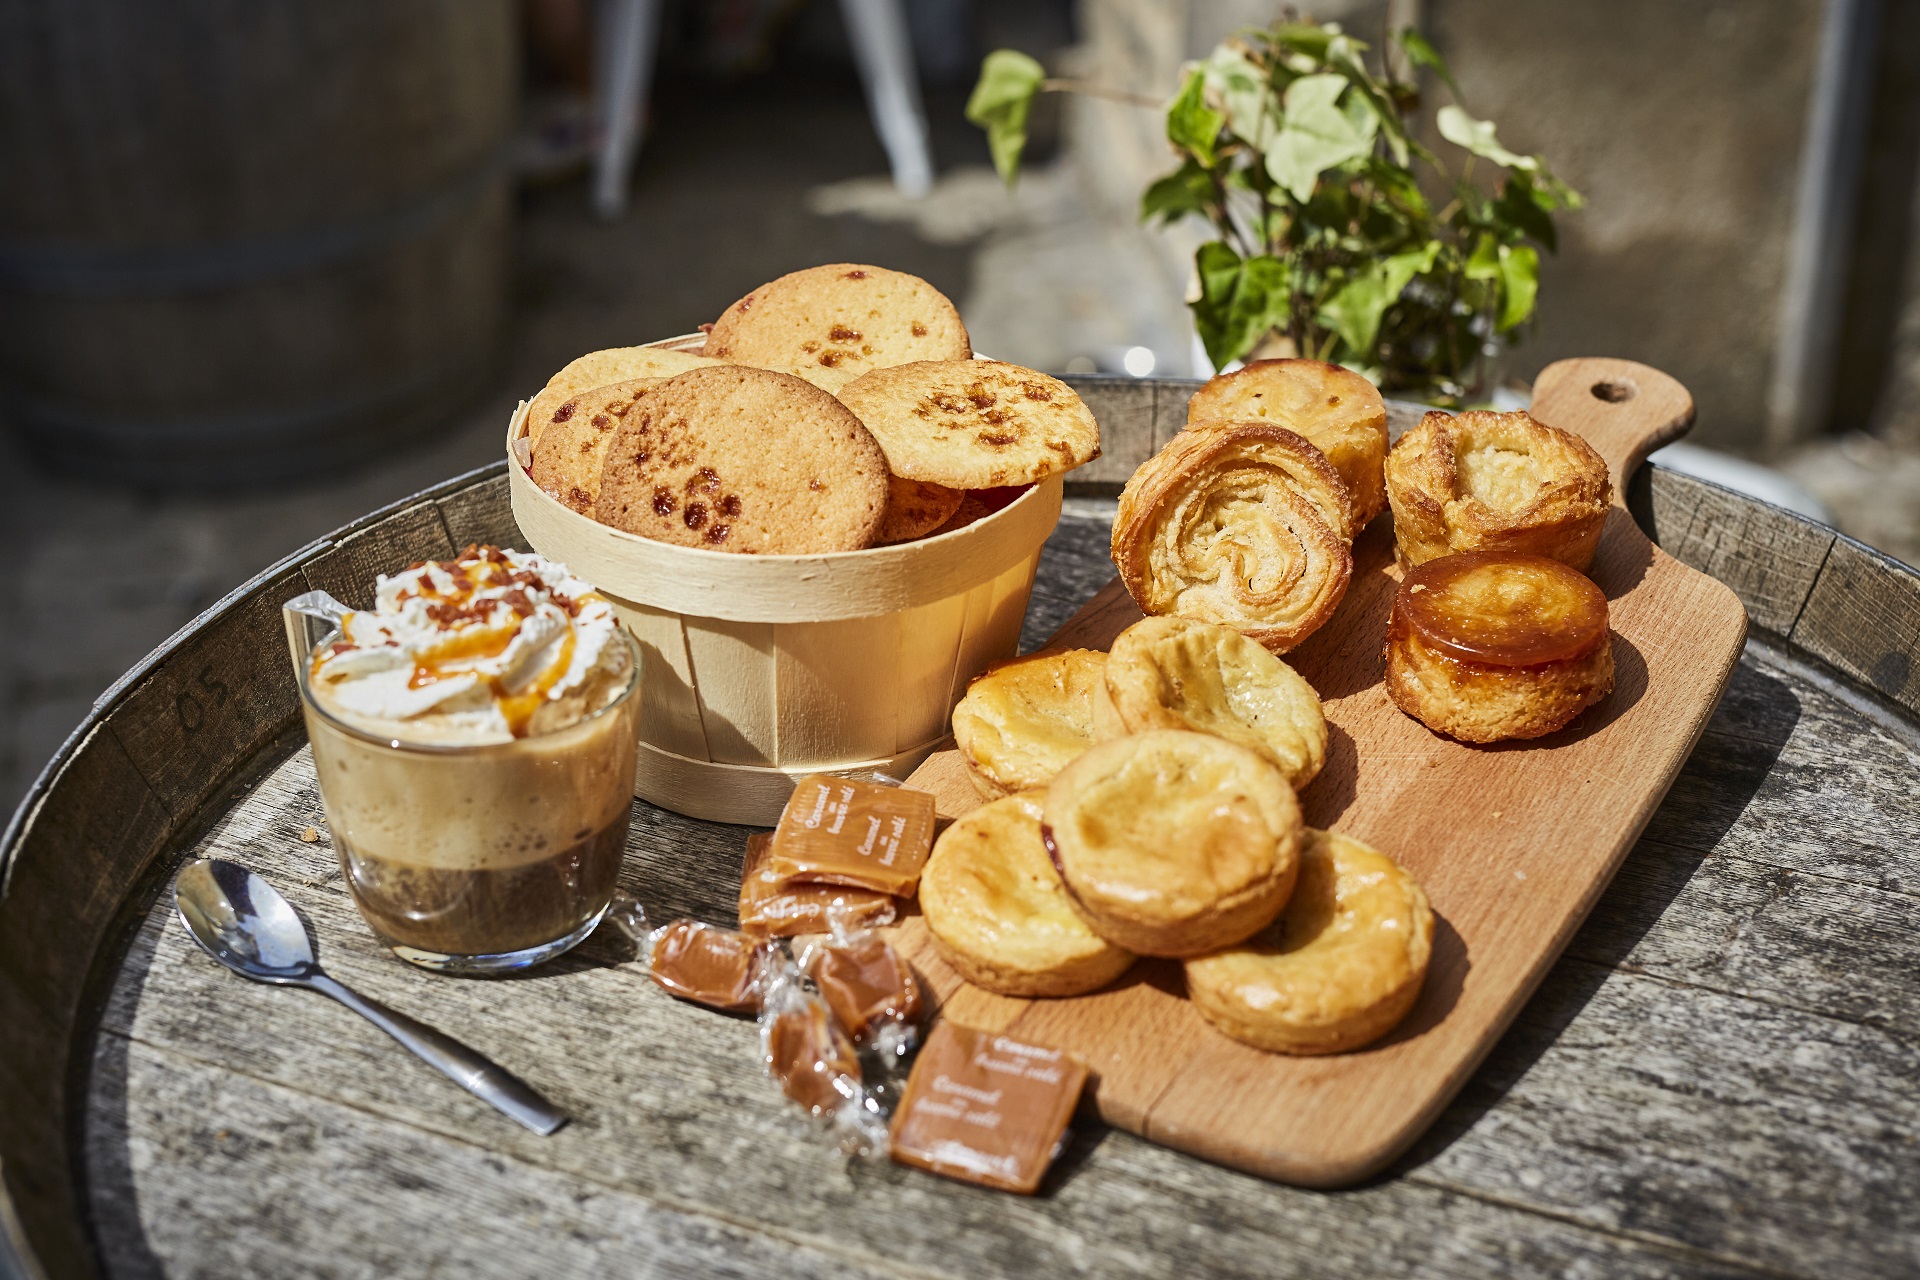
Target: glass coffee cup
(476, 857)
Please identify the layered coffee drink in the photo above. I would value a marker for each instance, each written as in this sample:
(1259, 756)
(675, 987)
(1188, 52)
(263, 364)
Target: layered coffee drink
(474, 739)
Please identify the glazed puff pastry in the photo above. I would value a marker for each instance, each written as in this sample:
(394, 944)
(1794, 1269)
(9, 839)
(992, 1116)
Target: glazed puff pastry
(1339, 968)
(1336, 409)
(1499, 482)
(1244, 524)
(1021, 721)
(1178, 673)
(999, 914)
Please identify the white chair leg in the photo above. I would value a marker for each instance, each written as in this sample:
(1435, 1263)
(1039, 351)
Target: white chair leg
(626, 39)
(878, 29)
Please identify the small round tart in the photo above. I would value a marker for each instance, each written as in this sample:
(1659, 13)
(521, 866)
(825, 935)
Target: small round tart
(1178, 673)
(997, 912)
(1490, 645)
(1244, 524)
(1337, 409)
(1022, 721)
(1496, 481)
(1173, 843)
(1339, 968)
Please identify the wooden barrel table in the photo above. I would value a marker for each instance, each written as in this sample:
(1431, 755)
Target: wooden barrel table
(1717, 1078)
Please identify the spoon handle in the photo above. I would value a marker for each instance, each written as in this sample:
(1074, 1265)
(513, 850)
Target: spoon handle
(478, 1075)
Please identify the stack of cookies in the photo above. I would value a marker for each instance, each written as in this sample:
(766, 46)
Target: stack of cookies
(833, 409)
(1143, 803)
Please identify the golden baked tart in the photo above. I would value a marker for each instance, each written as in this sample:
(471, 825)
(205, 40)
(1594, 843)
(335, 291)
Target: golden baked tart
(1173, 843)
(1022, 721)
(1496, 481)
(998, 913)
(1177, 673)
(1339, 968)
(1336, 409)
(1244, 524)
(1488, 645)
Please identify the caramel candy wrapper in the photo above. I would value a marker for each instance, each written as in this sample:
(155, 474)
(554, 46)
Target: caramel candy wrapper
(865, 982)
(848, 832)
(811, 1058)
(986, 1108)
(712, 966)
(770, 909)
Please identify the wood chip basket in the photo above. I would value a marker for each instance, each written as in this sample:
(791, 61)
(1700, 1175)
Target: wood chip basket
(760, 669)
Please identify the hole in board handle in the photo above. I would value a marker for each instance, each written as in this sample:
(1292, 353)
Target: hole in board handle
(1614, 392)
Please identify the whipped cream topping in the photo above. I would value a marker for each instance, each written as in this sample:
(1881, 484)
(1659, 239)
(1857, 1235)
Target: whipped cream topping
(487, 647)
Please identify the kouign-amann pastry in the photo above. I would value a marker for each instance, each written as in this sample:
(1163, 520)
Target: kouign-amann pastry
(1177, 673)
(1173, 843)
(830, 324)
(747, 460)
(1338, 410)
(1340, 967)
(915, 509)
(1022, 721)
(1496, 482)
(974, 424)
(604, 369)
(567, 457)
(1244, 524)
(1488, 645)
(999, 914)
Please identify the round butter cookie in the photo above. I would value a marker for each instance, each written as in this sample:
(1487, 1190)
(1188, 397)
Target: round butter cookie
(1479, 481)
(833, 323)
(1022, 721)
(603, 369)
(1336, 409)
(1339, 968)
(1178, 673)
(915, 509)
(997, 912)
(1173, 843)
(974, 424)
(567, 456)
(746, 460)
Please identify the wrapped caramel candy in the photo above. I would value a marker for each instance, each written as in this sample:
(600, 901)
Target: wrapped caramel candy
(844, 831)
(771, 909)
(864, 981)
(720, 968)
(813, 1061)
(986, 1108)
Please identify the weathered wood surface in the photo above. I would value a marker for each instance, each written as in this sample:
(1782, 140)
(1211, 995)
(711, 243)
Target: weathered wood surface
(1700, 1087)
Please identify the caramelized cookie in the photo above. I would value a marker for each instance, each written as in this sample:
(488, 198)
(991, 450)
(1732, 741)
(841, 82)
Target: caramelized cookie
(568, 455)
(974, 424)
(603, 369)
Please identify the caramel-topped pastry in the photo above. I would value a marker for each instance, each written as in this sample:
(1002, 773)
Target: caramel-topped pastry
(1022, 721)
(1173, 843)
(1489, 645)
(1496, 481)
(1245, 524)
(1342, 964)
(1338, 410)
(1176, 673)
(998, 912)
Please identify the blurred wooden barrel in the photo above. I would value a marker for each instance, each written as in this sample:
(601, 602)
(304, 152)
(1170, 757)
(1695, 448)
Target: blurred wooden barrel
(245, 239)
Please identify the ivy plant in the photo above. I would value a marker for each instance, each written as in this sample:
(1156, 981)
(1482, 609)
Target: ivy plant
(1307, 162)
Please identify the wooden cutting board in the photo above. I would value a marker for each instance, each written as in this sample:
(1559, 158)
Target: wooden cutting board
(1514, 842)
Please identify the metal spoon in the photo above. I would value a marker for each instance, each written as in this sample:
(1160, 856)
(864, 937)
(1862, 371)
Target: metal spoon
(244, 923)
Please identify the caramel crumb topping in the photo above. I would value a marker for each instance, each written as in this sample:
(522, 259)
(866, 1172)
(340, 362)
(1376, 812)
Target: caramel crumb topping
(664, 502)
(718, 533)
(919, 330)
(564, 412)
(696, 514)
(840, 333)
(854, 275)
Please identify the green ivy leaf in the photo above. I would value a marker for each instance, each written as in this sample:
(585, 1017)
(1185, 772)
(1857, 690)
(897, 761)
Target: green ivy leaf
(1520, 281)
(1192, 125)
(1240, 300)
(1000, 103)
(1461, 129)
(1317, 135)
(1484, 264)
(1172, 197)
(1355, 311)
(1422, 54)
(1304, 37)
(1520, 207)
(1251, 107)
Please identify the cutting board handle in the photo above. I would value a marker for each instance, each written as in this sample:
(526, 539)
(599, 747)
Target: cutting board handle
(1625, 410)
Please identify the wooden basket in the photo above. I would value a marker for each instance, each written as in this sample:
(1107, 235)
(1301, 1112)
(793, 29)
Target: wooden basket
(758, 670)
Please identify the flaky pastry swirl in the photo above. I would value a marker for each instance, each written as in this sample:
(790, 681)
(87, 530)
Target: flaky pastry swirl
(1244, 524)
(1497, 482)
